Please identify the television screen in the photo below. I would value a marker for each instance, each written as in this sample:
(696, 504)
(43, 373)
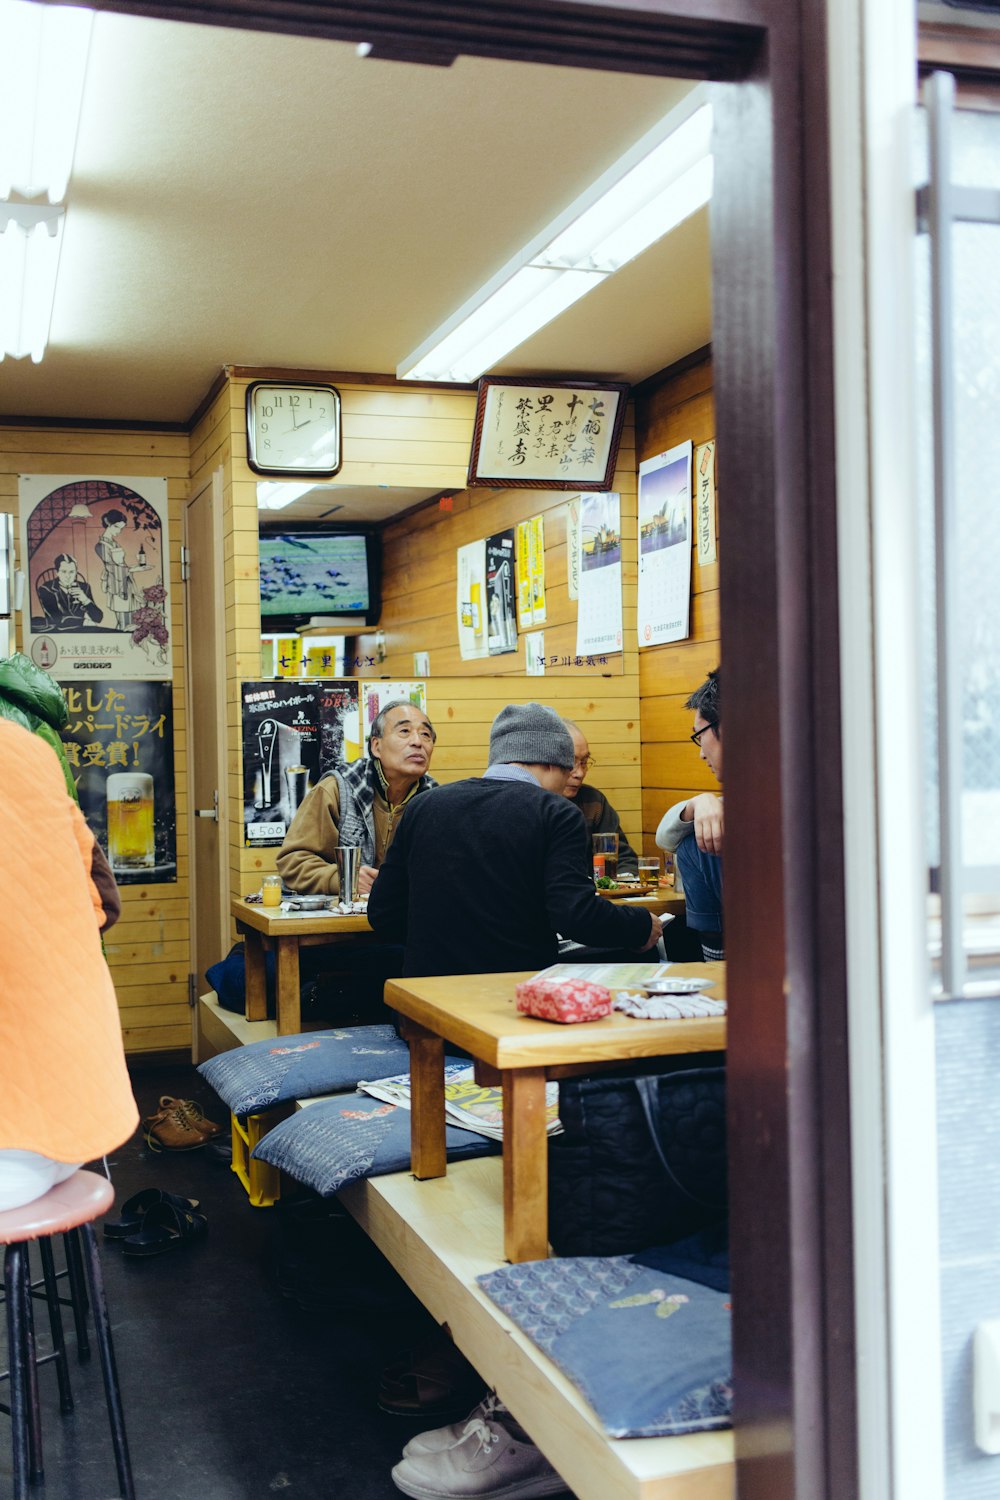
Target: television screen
(307, 571)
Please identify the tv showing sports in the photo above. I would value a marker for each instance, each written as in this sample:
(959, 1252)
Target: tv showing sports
(314, 572)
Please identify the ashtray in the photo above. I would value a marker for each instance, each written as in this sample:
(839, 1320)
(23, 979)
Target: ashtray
(307, 903)
(668, 986)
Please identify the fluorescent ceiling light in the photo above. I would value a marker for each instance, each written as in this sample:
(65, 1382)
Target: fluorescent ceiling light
(654, 187)
(275, 494)
(44, 50)
(30, 241)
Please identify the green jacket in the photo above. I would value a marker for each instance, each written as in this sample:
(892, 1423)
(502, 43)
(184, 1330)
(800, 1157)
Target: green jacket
(31, 698)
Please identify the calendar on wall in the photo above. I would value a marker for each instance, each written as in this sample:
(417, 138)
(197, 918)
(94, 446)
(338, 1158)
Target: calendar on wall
(599, 617)
(664, 595)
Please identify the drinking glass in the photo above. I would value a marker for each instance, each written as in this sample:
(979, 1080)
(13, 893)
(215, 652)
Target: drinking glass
(131, 844)
(649, 868)
(606, 848)
(270, 890)
(348, 870)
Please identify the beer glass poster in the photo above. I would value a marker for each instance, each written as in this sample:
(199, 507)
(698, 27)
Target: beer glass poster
(339, 723)
(98, 582)
(281, 756)
(120, 744)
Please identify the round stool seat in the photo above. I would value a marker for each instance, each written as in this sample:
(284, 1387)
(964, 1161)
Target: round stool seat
(79, 1200)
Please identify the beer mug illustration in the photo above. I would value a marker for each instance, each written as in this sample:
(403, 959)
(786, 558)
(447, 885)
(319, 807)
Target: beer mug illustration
(131, 844)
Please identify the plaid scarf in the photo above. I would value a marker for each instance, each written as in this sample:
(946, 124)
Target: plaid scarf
(359, 783)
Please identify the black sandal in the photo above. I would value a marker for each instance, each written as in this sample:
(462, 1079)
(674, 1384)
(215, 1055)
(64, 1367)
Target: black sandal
(165, 1227)
(135, 1208)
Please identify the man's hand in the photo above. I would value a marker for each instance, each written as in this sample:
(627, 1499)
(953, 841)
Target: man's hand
(366, 879)
(705, 811)
(655, 933)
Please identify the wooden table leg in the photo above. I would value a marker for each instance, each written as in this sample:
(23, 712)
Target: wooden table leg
(525, 1165)
(428, 1152)
(289, 1014)
(255, 1005)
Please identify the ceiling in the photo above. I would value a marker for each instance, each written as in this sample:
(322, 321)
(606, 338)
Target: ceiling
(280, 202)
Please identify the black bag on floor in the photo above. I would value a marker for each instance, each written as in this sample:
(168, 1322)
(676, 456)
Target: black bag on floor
(642, 1161)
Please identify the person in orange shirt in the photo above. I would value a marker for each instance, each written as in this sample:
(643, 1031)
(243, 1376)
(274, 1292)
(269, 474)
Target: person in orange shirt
(65, 1090)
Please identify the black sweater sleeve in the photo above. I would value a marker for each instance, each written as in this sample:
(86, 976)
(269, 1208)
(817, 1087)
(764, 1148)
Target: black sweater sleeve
(574, 907)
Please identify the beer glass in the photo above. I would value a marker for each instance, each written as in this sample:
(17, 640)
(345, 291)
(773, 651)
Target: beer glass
(297, 782)
(348, 870)
(606, 846)
(131, 844)
(649, 868)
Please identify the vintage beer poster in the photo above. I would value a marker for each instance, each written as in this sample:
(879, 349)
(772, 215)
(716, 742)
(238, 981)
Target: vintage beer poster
(120, 744)
(96, 555)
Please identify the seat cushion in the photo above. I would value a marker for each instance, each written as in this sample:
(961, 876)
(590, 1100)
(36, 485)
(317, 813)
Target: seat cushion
(337, 1141)
(254, 1078)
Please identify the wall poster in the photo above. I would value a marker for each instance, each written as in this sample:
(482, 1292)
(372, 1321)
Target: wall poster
(340, 722)
(500, 593)
(473, 641)
(599, 615)
(120, 745)
(664, 596)
(553, 435)
(573, 511)
(531, 572)
(281, 755)
(704, 479)
(95, 552)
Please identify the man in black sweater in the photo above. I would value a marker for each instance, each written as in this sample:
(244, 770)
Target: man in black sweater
(483, 874)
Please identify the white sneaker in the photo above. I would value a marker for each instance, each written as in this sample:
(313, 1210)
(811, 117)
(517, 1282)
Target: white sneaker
(440, 1438)
(485, 1463)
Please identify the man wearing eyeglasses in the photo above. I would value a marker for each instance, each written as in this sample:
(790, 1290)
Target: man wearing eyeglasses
(598, 813)
(693, 830)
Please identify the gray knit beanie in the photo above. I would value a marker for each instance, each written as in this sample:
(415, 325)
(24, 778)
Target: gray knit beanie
(531, 734)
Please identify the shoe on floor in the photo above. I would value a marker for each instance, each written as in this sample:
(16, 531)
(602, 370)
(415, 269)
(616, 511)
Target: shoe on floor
(435, 1380)
(485, 1463)
(443, 1437)
(178, 1125)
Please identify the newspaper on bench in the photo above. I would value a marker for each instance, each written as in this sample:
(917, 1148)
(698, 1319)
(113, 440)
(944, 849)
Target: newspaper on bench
(466, 1103)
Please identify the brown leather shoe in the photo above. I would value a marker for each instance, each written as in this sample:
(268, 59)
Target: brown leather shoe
(178, 1125)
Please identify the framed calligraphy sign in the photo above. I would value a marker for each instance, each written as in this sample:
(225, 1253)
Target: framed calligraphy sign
(546, 434)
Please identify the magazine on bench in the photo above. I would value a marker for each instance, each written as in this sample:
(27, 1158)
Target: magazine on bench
(466, 1103)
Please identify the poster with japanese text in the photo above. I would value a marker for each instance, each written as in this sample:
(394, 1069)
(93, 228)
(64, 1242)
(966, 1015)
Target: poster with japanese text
(281, 756)
(96, 555)
(531, 572)
(501, 624)
(376, 695)
(120, 744)
(573, 511)
(339, 722)
(473, 641)
(599, 615)
(704, 480)
(664, 595)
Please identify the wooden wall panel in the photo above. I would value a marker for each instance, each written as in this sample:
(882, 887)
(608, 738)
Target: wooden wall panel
(149, 949)
(679, 409)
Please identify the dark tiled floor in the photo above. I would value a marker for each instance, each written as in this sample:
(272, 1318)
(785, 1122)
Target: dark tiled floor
(232, 1392)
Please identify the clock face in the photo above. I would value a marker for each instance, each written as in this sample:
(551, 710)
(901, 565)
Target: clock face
(293, 429)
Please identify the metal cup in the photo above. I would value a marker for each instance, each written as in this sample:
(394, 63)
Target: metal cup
(348, 870)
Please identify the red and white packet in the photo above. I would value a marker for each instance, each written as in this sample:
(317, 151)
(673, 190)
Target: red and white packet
(566, 1000)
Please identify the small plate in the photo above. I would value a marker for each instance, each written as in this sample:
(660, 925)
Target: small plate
(668, 986)
(307, 903)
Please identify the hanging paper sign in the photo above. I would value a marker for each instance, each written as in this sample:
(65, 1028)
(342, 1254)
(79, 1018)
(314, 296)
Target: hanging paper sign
(531, 572)
(98, 581)
(281, 756)
(500, 593)
(120, 744)
(704, 479)
(599, 617)
(473, 641)
(534, 653)
(573, 509)
(554, 435)
(664, 593)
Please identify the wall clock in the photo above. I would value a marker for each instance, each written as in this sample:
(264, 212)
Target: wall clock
(293, 428)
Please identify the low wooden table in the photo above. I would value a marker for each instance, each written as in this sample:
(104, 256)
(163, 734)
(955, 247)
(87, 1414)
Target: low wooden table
(477, 1012)
(262, 926)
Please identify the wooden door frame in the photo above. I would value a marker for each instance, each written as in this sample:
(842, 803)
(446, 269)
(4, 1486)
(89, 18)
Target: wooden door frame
(792, 1238)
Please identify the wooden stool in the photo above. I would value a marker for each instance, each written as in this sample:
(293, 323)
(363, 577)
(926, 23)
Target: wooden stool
(71, 1205)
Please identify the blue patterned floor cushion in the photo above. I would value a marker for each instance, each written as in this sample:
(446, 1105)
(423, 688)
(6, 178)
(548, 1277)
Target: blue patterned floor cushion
(250, 1079)
(337, 1141)
(651, 1352)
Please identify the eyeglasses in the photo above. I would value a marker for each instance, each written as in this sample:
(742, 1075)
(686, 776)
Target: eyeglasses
(696, 737)
(583, 762)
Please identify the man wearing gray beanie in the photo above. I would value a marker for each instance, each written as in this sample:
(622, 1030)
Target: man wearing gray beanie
(484, 874)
